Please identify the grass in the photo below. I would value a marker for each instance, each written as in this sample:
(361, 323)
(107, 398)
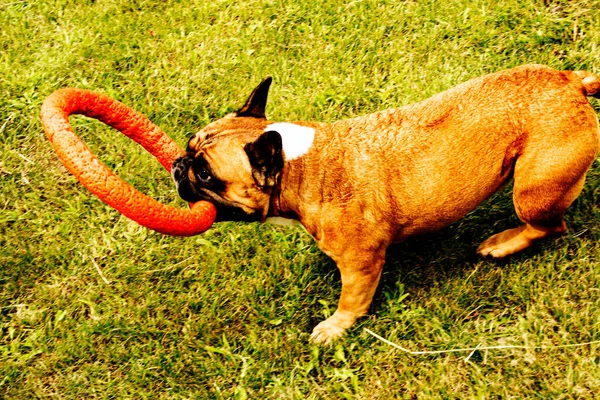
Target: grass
(227, 314)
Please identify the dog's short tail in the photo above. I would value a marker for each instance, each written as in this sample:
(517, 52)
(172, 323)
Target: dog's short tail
(590, 82)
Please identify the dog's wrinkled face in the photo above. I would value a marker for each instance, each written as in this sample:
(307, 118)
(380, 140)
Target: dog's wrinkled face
(233, 162)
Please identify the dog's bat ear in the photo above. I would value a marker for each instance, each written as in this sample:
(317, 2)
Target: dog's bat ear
(257, 102)
(266, 159)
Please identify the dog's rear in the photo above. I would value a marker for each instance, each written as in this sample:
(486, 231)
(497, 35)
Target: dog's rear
(560, 143)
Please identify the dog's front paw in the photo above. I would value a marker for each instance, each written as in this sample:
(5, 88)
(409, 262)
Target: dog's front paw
(326, 332)
(333, 327)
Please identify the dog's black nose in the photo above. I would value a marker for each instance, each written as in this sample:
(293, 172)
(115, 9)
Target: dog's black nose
(180, 167)
(179, 172)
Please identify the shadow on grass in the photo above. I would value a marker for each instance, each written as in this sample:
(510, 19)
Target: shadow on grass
(450, 254)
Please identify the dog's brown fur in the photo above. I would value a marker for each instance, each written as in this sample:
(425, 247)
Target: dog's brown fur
(368, 181)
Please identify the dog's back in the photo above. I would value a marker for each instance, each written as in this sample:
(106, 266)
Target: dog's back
(460, 146)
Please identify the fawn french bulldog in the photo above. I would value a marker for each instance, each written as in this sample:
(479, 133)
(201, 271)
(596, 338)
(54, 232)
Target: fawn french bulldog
(359, 184)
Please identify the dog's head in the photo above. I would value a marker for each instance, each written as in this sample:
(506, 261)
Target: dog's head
(234, 162)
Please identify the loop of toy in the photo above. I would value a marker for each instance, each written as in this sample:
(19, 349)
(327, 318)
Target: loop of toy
(100, 180)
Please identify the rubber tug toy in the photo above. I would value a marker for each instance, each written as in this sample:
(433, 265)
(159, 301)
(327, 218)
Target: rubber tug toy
(100, 180)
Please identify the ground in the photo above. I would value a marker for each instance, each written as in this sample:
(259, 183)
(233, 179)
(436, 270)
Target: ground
(94, 306)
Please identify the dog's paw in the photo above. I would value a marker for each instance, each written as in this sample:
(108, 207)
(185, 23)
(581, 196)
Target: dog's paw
(491, 250)
(504, 243)
(513, 240)
(326, 332)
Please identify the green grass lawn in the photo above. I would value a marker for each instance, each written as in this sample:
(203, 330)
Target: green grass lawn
(227, 314)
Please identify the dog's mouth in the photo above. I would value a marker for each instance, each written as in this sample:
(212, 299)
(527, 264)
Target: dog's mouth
(227, 210)
(189, 191)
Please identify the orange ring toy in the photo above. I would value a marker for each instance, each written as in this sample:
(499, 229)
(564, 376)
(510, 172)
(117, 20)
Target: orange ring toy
(100, 180)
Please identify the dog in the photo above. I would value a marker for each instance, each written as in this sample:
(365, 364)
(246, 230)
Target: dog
(359, 184)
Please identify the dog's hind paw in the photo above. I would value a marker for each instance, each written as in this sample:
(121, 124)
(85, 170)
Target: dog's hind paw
(504, 243)
(512, 240)
(491, 250)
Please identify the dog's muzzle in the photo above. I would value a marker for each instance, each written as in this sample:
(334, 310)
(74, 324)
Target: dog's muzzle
(226, 210)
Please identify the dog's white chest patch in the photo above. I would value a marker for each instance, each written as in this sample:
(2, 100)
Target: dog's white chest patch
(296, 139)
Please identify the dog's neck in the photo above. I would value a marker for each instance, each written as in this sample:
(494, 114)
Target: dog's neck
(283, 203)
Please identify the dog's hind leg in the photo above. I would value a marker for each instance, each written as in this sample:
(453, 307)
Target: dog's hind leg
(544, 187)
(549, 173)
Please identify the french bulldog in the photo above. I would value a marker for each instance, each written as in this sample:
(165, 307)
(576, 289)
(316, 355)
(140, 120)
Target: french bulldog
(359, 184)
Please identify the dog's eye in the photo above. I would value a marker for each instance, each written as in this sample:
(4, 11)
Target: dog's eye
(203, 175)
